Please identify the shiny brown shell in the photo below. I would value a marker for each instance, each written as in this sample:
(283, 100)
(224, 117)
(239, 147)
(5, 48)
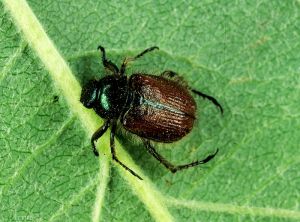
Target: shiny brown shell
(162, 110)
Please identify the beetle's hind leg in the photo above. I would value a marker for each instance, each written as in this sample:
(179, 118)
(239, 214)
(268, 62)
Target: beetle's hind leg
(130, 59)
(113, 151)
(210, 98)
(107, 63)
(169, 165)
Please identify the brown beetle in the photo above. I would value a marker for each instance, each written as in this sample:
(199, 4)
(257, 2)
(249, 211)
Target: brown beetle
(156, 108)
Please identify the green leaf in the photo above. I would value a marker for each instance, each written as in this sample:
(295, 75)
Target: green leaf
(246, 54)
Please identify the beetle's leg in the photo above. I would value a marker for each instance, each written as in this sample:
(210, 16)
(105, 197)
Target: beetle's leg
(98, 134)
(168, 74)
(107, 63)
(210, 98)
(113, 151)
(171, 74)
(169, 165)
(143, 53)
(130, 59)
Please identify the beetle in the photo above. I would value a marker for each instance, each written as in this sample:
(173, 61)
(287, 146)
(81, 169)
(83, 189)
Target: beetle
(155, 108)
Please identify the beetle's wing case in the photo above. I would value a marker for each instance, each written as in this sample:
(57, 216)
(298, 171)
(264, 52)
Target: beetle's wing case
(161, 109)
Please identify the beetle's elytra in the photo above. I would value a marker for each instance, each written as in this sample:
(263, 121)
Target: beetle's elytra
(155, 108)
(163, 110)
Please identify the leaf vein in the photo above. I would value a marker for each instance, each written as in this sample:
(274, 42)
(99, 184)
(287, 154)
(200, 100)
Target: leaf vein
(37, 151)
(234, 209)
(12, 60)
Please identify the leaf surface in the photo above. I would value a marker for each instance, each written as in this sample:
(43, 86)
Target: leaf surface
(245, 54)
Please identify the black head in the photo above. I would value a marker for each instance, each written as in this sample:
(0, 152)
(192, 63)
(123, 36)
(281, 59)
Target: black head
(89, 94)
(107, 96)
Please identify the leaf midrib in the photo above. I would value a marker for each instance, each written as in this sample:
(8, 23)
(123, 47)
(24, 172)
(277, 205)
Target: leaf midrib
(65, 80)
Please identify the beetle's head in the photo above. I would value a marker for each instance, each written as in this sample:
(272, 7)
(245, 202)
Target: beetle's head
(89, 94)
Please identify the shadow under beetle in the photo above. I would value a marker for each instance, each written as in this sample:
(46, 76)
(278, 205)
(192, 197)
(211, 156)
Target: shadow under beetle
(155, 108)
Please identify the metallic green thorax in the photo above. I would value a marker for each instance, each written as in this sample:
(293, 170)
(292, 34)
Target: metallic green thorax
(111, 96)
(105, 103)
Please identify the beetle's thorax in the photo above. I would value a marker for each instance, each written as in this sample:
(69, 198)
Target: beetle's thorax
(112, 95)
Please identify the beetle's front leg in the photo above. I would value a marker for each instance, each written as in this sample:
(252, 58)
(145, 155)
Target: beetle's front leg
(98, 134)
(113, 151)
(107, 63)
(131, 59)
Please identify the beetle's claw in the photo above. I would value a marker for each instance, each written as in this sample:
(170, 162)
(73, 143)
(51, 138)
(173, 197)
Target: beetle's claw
(96, 152)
